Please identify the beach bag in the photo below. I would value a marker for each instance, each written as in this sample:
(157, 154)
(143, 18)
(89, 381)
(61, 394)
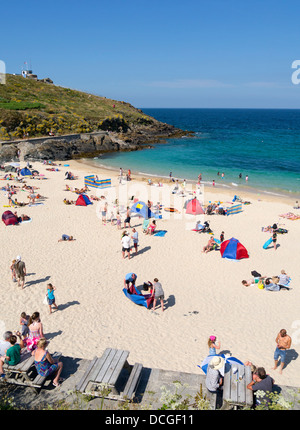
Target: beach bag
(147, 285)
(46, 300)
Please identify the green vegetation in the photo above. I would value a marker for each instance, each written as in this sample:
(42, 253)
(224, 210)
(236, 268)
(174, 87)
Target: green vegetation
(32, 108)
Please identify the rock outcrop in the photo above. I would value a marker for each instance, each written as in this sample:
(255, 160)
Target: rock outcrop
(86, 144)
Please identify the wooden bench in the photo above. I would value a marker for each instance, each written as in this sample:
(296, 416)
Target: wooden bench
(24, 373)
(101, 377)
(235, 391)
(133, 381)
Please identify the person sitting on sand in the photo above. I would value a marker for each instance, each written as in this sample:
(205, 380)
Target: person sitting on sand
(152, 227)
(271, 284)
(66, 238)
(284, 279)
(210, 245)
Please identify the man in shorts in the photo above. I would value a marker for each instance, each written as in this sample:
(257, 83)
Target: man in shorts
(158, 294)
(283, 341)
(20, 271)
(130, 278)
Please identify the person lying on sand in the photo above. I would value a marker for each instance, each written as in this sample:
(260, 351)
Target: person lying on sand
(22, 217)
(66, 238)
(20, 203)
(68, 202)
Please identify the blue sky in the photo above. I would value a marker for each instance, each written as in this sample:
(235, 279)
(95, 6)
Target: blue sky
(167, 53)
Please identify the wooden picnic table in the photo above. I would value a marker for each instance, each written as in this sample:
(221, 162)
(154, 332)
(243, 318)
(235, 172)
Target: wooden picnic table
(102, 374)
(235, 392)
(24, 373)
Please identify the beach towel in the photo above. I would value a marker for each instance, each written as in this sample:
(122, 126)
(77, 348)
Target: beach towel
(161, 233)
(35, 204)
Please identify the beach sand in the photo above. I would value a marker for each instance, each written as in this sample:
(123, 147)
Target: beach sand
(203, 292)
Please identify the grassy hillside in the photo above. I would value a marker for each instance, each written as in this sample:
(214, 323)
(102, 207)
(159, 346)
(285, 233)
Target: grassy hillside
(32, 108)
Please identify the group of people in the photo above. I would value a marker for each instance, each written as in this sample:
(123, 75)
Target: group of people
(156, 291)
(261, 381)
(274, 283)
(32, 339)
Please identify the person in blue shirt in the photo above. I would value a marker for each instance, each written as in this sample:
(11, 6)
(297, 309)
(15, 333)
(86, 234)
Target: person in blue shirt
(50, 297)
(130, 278)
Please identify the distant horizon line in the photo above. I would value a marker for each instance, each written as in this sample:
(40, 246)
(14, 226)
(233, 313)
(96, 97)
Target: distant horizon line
(227, 108)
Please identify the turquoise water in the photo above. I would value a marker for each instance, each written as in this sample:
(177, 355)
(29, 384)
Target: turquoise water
(261, 143)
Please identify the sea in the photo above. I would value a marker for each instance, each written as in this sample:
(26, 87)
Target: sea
(240, 149)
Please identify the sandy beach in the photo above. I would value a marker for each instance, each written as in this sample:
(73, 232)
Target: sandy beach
(203, 292)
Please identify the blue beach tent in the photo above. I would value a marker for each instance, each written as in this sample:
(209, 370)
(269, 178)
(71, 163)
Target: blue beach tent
(233, 249)
(141, 209)
(25, 172)
(138, 298)
(83, 200)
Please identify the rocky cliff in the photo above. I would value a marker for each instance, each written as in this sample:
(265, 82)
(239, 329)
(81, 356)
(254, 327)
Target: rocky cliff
(86, 144)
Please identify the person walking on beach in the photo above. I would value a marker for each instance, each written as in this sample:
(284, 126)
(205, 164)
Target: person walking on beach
(158, 294)
(118, 220)
(135, 238)
(222, 237)
(20, 270)
(283, 341)
(103, 207)
(212, 345)
(274, 236)
(24, 319)
(127, 219)
(51, 297)
(125, 244)
(13, 271)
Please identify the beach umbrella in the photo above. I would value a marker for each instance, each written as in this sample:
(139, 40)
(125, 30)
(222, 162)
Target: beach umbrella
(227, 360)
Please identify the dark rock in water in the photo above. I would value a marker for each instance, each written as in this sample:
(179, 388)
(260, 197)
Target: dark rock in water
(86, 145)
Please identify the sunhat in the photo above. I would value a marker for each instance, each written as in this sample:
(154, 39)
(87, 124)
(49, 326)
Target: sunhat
(18, 258)
(213, 338)
(216, 362)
